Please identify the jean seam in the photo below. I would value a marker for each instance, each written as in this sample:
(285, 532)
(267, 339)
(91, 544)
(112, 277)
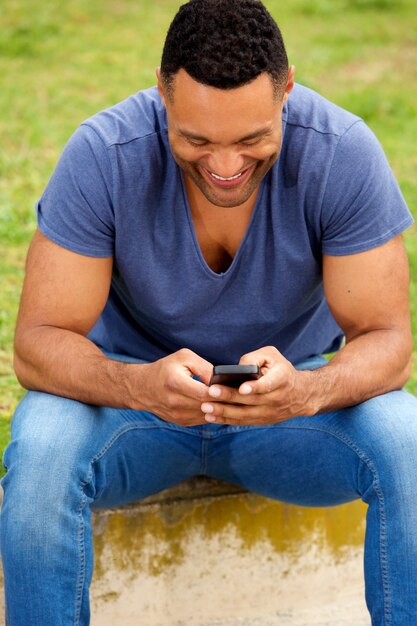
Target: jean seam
(81, 560)
(170, 425)
(118, 433)
(204, 449)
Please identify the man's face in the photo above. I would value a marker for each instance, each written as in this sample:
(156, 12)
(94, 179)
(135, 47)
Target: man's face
(225, 141)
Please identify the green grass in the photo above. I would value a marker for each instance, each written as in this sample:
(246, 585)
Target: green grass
(60, 62)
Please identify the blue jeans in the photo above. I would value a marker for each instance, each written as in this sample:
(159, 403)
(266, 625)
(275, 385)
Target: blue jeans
(66, 457)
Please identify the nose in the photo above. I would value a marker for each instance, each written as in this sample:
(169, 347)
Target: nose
(226, 162)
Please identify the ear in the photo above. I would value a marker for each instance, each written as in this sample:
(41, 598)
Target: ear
(160, 87)
(290, 83)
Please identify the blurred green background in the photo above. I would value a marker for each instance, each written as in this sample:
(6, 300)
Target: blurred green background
(62, 61)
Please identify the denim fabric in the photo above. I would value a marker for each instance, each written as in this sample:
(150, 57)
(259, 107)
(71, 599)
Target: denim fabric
(66, 458)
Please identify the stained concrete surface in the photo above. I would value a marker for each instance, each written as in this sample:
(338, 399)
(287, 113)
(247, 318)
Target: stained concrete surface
(233, 559)
(207, 555)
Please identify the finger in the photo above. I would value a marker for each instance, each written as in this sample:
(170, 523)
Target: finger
(188, 364)
(181, 410)
(271, 381)
(197, 366)
(182, 384)
(186, 419)
(238, 414)
(253, 358)
(223, 393)
(260, 357)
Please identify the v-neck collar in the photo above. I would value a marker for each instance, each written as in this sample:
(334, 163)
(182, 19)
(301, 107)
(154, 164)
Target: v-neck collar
(203, 262)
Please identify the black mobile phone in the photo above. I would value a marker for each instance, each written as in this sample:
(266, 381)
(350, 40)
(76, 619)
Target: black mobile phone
(234, 375)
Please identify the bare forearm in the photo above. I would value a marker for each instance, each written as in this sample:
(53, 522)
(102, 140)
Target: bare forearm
(67, 364)
(369, 365)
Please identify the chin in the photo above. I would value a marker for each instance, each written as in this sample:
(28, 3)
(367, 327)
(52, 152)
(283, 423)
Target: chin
(231, 197)
(225, 198)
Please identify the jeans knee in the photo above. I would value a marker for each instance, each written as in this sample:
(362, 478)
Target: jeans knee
(385, 429)
(49, 446)
(392, 419)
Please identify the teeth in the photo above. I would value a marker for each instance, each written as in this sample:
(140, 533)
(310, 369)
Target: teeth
(221, 177)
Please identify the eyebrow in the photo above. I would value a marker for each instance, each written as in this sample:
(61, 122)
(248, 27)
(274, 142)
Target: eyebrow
(261, 132)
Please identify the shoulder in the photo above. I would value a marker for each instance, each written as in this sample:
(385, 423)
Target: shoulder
(139, 116)
(319, 135)
(306, 110)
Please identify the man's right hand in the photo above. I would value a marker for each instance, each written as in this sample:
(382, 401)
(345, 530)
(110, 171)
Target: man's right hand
(167, 388)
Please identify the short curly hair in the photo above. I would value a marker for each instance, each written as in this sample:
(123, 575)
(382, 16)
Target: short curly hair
(224, 44)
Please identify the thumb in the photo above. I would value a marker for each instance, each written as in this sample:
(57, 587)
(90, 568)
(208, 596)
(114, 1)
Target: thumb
(253, 358)
(200, 368)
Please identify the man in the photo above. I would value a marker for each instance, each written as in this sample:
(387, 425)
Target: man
(225, 216)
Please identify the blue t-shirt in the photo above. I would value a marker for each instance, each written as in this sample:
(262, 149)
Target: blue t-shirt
(117, 191)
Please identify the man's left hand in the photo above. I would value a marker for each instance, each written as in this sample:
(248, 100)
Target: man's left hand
(280, 393)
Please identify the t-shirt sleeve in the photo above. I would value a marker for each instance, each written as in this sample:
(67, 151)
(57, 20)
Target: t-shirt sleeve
(362, 206)
(75, 210)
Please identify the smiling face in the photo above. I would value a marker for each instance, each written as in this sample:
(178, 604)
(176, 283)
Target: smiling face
(225, 140)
